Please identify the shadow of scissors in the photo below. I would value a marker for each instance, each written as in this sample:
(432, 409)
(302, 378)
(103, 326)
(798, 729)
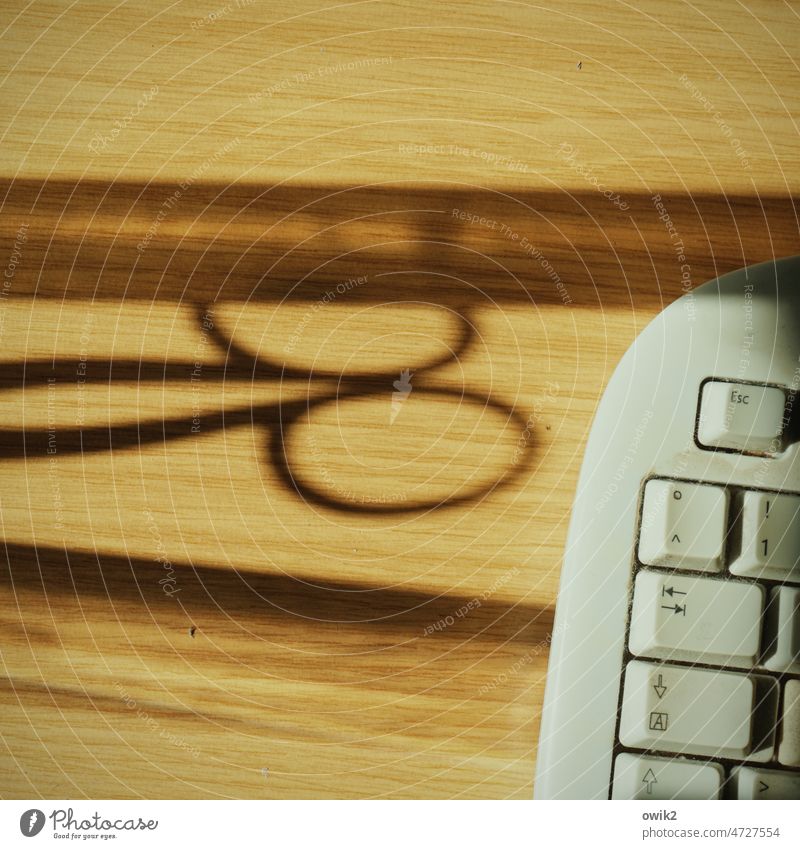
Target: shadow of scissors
(276, 419)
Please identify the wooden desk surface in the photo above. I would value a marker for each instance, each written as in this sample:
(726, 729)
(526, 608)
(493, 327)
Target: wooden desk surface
(248, 553)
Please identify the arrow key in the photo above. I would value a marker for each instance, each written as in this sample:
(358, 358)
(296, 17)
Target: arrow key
(640, 777)
(754, 783)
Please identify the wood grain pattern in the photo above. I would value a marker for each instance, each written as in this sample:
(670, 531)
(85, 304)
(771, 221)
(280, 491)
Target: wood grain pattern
(245, 556)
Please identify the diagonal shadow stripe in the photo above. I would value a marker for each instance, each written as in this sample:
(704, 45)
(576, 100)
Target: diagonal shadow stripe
(133, 583)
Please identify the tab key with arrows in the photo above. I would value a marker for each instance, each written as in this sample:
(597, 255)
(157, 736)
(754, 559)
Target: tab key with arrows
(690, 619)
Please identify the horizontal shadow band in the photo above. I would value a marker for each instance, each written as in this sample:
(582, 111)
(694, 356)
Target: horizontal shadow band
(405, 242)
(128, 585)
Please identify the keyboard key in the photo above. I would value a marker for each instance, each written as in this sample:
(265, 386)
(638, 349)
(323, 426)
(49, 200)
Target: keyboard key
(756, 783)
(789, 746)
(638, 777)
(770, 537)
(782, 649)
(683, 525)
(741, 417)
(690, 711)
(675, 617)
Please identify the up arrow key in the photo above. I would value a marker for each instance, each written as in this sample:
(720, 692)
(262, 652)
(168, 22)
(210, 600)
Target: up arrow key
(649, 779)
(675, 538)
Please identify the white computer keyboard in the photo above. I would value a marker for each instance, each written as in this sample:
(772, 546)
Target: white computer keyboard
(675, 662)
